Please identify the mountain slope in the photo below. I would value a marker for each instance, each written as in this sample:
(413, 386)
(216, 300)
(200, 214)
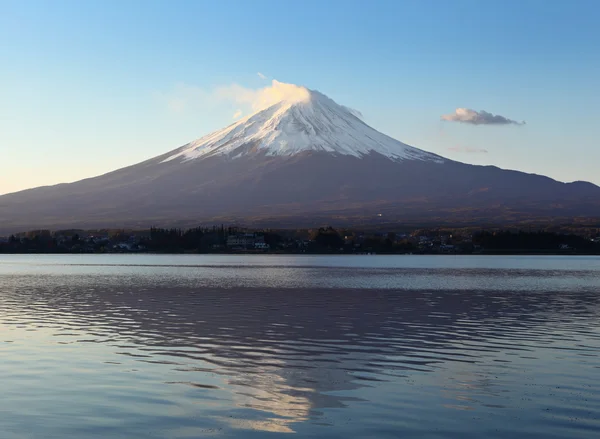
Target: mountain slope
(309, 121)
(298, 161)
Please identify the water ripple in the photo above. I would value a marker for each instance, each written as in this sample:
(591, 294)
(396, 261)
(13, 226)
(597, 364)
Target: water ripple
(126, 352)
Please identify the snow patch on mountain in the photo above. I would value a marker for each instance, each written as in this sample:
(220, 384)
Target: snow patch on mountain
(305, 120)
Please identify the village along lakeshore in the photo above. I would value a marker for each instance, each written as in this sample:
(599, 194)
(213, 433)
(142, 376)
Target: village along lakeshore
(328, 240)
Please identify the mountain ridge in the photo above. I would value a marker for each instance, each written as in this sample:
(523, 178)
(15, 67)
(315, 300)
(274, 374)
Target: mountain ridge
(299, 159)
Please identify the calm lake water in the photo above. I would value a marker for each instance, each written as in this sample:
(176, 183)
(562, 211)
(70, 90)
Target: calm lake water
(141, 346)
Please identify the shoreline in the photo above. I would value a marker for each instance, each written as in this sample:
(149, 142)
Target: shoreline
(251, 253)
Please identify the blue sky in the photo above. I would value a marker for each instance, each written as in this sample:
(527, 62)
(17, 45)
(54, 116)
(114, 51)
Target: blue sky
(88, 87)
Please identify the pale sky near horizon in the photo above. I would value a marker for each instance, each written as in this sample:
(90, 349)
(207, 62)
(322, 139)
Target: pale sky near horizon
(89, 87)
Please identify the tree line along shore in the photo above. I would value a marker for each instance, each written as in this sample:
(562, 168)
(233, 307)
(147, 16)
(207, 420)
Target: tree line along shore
(221, 239)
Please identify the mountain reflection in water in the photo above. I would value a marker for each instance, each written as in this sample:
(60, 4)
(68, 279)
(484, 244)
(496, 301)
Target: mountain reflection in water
(99, 355)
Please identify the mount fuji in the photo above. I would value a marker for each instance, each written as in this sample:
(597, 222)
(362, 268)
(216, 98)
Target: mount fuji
(302, 159)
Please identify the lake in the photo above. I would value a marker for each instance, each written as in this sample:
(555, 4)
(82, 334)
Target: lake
(188, 346)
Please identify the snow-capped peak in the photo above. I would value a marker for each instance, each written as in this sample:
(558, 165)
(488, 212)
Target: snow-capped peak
(298, 119)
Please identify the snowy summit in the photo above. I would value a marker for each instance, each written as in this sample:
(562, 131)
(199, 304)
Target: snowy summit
(296, 119)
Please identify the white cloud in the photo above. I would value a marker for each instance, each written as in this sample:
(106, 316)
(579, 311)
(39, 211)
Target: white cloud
(466, 115)
(184, 97)
(176, 105)
(261, 76)
(354, 112)
(259, 99)
(238, 113)
(467, 150)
